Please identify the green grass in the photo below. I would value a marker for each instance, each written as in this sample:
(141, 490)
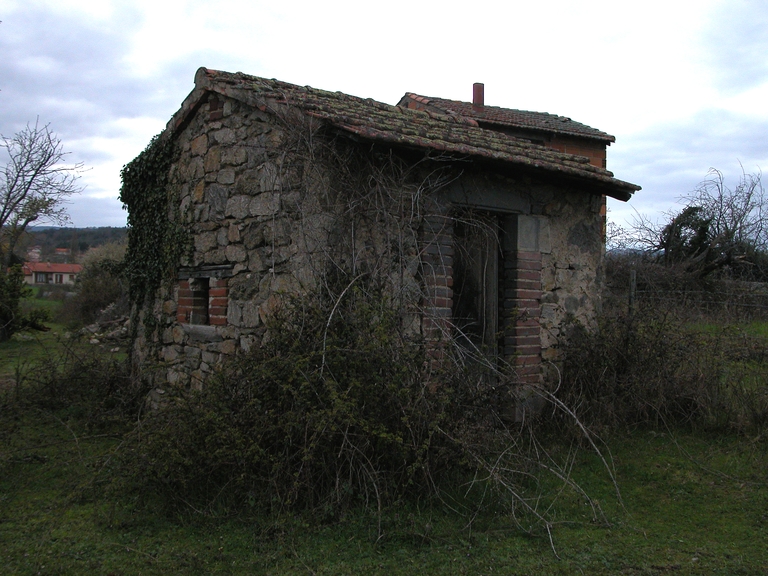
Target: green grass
(693, 504)
(754, 329)
(31, 349)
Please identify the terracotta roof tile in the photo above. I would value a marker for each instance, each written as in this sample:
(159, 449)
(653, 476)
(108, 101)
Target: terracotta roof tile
(513, 118)
(450, 133)
(31, 267)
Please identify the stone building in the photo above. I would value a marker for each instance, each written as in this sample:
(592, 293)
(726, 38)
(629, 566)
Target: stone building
(486, 224)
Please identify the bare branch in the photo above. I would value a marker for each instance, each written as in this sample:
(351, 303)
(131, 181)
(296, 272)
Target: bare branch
(719, 229)
(34, 184)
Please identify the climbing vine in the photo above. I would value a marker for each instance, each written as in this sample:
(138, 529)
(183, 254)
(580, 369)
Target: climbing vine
(156, 239)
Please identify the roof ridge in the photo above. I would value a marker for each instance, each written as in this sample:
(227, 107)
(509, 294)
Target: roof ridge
(513, 117)
(465, 102)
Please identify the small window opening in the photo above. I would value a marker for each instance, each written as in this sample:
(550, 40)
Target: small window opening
(199, 310)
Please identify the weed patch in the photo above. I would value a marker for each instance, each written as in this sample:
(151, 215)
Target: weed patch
(649, 368)
(341, 410)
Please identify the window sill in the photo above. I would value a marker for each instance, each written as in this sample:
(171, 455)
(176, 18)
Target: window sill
(202, 333)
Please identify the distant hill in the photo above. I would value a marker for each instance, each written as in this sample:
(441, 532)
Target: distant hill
(67, 244)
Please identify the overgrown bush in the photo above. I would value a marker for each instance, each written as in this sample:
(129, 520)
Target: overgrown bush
(90, 386)
(649, 367)
(334, 409)
(638, 368)
(339, 409)
(101, 286)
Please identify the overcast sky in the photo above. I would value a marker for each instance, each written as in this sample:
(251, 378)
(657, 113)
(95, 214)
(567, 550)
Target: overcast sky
(683, 85)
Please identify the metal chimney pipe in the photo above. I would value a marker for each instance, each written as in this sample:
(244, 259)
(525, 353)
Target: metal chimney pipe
(478, 94)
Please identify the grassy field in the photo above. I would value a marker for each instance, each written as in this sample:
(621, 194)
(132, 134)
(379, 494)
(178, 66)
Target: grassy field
(693, 502)
(34, 350)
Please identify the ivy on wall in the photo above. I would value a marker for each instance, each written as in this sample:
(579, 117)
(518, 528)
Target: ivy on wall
(156, 240)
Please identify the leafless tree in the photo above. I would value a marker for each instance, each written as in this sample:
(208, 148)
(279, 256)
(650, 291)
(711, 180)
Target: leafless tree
(718, 227)
(737, 216)
(34, 186)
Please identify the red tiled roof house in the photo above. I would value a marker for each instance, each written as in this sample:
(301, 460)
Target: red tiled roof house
(491, 220)
(36, 273)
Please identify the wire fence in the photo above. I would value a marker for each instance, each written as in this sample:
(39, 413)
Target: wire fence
(742, 301)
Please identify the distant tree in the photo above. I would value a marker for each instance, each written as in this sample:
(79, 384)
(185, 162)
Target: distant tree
(687, 236)
(719, 229)
(12, 320)
(34, 186)
(81, 239)
(101, 285)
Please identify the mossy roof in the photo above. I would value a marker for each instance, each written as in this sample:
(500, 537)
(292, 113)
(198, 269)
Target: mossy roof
(449, 134)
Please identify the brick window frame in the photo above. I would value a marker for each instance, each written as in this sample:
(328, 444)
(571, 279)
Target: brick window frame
(203, 296)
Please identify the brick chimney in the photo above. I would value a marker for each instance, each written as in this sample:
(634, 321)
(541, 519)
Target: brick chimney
(478, 95)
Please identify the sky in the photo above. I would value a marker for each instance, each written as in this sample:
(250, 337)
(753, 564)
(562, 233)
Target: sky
(682, 85)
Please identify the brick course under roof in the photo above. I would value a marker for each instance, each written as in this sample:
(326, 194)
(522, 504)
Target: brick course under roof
(378, 122)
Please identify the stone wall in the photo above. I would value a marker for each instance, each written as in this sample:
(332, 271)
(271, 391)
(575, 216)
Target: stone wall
(238, 187)
(572, 267)
(267, 219)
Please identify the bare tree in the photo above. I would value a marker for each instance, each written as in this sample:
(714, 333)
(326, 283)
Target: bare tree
(34, 186)
(718, 228)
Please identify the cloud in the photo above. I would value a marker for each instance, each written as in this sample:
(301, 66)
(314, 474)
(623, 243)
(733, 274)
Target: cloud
(682, 92)
(96, 212)
(68, 70)
(735, 43)
(59, 67)
(670, 160)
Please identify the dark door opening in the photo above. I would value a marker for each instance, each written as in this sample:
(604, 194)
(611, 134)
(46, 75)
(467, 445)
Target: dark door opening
(476, 263)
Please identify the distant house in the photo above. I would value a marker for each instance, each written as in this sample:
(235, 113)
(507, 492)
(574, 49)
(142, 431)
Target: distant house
(36, 273)
(487, 222)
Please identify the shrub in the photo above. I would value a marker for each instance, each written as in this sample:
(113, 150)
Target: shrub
(649, 367)
(100, 286)
(12, 318)
(90, 386)
(338, 409)
(637, 368)
(333, 409)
